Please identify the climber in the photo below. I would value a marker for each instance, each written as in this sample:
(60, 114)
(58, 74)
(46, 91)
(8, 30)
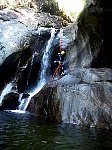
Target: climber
(60, 55)
(62, 52)
(58, 63)
(59, 58)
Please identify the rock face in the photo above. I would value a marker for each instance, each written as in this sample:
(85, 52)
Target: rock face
(82, 97)
(10, 102)
(14, 36)
(18, 27)
(91, 46)
(20, 37)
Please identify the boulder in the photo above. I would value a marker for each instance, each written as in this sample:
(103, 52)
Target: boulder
(84, 99)
(10, 101)
(14, 36)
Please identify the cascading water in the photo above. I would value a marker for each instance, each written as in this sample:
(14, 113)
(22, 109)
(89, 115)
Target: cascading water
(44, 65)
(31, 66)
(45, 61)
(8, 88)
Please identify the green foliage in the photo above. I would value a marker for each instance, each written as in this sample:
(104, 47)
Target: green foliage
(12, 4)
(51, 6)
(90, 23)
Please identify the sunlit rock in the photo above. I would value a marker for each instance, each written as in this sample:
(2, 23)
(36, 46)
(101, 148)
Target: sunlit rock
(14, 37)
(17, 29)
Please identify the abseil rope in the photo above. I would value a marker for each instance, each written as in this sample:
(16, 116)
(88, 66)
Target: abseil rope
(60, 41)
(57, 71)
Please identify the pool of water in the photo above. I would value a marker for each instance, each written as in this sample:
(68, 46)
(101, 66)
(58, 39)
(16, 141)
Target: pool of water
(25, 132)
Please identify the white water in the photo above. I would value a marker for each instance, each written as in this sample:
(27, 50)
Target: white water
(45, 60)
(31, 66)
(16, 111)
(6, 90)
(44, 65)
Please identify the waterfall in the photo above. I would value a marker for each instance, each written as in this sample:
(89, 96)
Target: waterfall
(32, 59)
(44, 65)
(45, 60)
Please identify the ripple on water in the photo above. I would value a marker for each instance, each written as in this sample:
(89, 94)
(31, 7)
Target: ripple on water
(25, 131)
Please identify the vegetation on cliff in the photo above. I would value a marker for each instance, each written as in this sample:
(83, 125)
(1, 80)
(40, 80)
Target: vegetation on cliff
(69, 10)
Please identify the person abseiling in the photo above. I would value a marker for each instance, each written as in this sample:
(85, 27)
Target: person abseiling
(58, 63)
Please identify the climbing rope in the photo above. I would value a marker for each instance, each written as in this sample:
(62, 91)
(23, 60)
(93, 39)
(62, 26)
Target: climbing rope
(60, 40)
(58, 69)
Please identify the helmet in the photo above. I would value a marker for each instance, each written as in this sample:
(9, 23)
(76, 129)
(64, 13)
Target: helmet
(62, 52)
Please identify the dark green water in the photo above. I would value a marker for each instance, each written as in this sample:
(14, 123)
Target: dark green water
(26, 132)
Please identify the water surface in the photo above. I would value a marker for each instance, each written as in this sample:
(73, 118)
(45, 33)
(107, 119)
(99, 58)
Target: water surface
(25, 132)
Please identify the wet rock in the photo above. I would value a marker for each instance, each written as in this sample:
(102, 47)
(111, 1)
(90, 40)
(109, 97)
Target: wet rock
(10, 67)
(25, 95)
(18, 28)
(23, 67)
(85, 103)
(83, 96)
(43, 105)
(10, 102)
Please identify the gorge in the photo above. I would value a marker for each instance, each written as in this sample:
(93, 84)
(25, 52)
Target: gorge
(85, 49)
(29, 44)
(40, 108)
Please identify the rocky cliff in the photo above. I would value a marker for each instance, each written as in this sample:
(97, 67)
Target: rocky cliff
(83, 95)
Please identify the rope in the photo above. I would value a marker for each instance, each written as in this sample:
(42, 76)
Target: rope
(57, 71)
(60, 41)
